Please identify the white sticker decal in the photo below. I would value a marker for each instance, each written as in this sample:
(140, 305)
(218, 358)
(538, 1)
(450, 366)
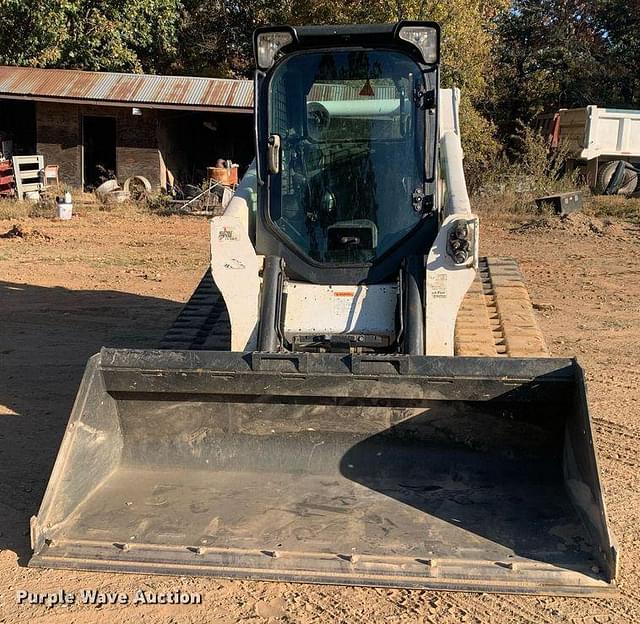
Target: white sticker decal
(438, 285)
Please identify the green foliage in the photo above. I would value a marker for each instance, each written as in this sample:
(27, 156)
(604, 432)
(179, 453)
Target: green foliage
(542, 166)
(217, 41)
(538, 70)
(618, 24)
(555, 54)
(30, 32)
(512, 59)
(110, 35)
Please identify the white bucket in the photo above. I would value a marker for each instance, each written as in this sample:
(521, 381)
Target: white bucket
(65, 210)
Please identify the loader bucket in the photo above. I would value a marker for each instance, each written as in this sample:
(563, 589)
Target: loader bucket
(403, 471)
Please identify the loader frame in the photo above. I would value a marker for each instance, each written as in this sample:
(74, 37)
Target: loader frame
(359, 466)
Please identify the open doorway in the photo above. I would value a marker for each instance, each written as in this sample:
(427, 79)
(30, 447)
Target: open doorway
(17, 128)
(99, 144)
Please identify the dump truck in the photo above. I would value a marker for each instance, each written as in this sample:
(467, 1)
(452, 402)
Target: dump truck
(603, 143)
(352, 395)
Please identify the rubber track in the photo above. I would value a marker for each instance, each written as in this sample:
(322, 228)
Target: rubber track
(496, 317)
(203, 324)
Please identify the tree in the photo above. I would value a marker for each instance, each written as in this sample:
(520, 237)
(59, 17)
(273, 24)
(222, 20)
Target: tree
(122, 35)
(551, 55)
(213, 37)
(468, 35)
(618, 23)
(217, 41)
(31, 32)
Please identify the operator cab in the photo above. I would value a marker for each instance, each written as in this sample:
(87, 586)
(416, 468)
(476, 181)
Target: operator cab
(346, 135)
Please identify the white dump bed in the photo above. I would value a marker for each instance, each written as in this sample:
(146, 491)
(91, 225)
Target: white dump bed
(592, 132)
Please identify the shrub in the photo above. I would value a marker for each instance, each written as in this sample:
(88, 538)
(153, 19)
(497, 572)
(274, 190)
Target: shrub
(536, 171)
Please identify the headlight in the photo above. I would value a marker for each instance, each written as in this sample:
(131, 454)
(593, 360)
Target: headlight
(268, 44)
(425, 38)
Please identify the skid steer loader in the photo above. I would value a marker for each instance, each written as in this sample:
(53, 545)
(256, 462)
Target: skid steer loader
(351, 395)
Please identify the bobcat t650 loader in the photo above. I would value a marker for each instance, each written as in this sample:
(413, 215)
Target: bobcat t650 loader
(352, 395)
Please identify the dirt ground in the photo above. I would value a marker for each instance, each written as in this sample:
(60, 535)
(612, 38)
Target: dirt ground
(67, 288)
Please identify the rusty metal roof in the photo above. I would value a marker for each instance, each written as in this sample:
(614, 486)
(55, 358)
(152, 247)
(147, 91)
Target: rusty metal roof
(126, 89)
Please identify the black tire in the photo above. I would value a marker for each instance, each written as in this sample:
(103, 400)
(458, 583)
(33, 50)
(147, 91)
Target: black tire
(606, 172)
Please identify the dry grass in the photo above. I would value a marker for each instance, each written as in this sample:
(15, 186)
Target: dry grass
(14, 209)
(619, 207)
(513, 207)
(83, 203)
(510, 188)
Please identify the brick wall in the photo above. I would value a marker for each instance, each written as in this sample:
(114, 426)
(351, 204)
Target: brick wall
(59, 139)
(137, 150)
(59, 136)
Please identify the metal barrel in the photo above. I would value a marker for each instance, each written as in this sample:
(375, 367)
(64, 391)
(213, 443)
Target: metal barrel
(404, 471)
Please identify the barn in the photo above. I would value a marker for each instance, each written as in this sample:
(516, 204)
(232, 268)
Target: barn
(91, 125)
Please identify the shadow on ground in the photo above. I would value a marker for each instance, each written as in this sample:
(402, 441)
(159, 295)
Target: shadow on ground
(46, 337)
(493, 475)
